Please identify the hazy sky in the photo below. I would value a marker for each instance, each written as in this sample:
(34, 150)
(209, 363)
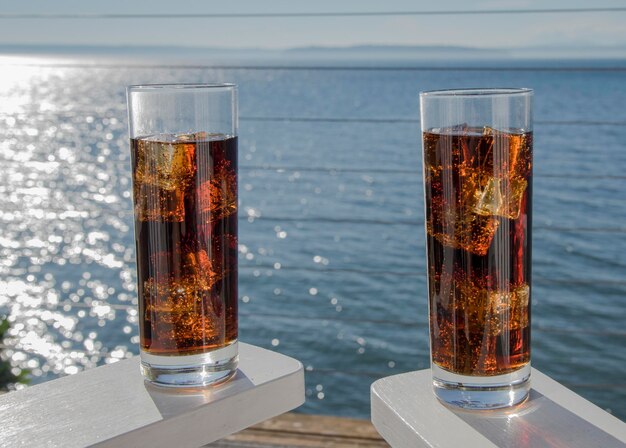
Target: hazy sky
(480, 31)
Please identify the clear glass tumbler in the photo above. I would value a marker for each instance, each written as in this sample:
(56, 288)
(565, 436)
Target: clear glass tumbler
(477, 147)
(183, 141)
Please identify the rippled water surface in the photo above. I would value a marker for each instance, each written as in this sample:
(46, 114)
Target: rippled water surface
(331, 222)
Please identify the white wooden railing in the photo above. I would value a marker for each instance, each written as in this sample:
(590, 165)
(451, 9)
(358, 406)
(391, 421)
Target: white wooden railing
(111, 406)
(407, 414)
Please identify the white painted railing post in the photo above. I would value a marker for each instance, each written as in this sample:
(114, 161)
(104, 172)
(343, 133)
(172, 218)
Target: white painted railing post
(407, 414)
(112, 406)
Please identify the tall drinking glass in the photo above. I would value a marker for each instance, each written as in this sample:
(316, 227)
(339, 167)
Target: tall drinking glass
(477, 147)
(183, 140)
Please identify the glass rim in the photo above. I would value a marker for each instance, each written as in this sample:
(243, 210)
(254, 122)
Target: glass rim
(478, 92)
(181, 86)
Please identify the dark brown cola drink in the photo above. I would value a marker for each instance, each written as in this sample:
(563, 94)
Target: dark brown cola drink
(185, 197)
(478, 184)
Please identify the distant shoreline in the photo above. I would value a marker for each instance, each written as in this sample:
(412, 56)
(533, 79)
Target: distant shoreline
(353, 53)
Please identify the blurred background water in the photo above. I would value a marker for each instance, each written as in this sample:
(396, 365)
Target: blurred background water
(332, 265)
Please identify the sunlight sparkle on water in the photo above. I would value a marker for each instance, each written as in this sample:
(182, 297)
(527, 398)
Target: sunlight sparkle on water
(60, 203)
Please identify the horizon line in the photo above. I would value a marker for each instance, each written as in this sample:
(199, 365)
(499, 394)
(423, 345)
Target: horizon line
(360, 46)
(9, 16)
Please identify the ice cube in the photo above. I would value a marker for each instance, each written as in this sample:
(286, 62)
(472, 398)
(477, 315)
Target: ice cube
(217, 197)
(181, 302)
(202, 271)
(500, 197)
(500, 181)
(186, 330)
(190, 137)
(170, 298)
(168, 165)
(156, 204)
(453, 174)
(183, 294)
(492, 310)
(163, 170)
(488, 200)
(476, 176)
(186, 308)
(511, 153)
(462, 229)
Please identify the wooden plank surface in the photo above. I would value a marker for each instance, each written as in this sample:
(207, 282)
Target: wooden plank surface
(112, 406)
(407, 414)
(302, 430)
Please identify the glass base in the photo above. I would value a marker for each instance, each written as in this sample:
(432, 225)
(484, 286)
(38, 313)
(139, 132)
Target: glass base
(202, 369)
(481, 392)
